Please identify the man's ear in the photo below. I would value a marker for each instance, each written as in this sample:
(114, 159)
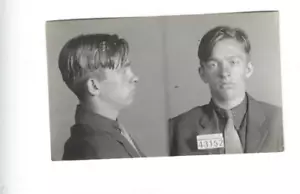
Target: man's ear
(202, 73)
(93, 86)
(249, 69)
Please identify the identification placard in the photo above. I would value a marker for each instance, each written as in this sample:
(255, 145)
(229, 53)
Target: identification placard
(210, 141)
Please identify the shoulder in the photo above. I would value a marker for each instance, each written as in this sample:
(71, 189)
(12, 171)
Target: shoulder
(274, 124)
(268, 107)
(78, 147)
(86, 143)
(270, 110)
(192, 114)
(86, 135)
(189, 117)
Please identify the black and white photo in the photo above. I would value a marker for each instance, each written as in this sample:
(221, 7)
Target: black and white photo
(165, 86)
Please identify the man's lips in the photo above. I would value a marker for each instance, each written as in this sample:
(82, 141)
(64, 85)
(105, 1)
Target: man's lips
(227, 84)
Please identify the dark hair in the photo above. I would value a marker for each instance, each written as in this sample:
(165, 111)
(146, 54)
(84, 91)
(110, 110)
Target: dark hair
(88, 53)
(217, 34)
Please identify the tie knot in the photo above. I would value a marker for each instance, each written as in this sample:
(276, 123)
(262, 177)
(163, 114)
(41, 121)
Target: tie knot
(229, 114)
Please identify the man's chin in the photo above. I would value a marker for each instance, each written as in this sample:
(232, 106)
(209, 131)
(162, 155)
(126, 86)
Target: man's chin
(227, 94)
(127, 103)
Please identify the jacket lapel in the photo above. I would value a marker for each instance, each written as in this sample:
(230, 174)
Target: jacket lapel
(210, 125)
(122, 140)
(137, 147)
(209, 122)
(256, 130)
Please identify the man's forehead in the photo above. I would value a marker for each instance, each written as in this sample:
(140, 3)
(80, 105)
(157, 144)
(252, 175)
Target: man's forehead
(227, 52)
(226, 57)
(228, 46)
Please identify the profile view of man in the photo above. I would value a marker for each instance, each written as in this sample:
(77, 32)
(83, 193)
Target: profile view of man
(233, 121)
(97, 70)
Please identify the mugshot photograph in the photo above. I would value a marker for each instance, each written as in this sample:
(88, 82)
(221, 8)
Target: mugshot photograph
(103, 100)
(233, 121)
(97, 69)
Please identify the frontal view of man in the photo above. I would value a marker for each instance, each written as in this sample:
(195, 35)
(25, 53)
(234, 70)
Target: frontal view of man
(97, 70)
(233, 121)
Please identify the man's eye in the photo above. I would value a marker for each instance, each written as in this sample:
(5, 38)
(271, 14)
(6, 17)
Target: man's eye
(212, 64)
(234, 62)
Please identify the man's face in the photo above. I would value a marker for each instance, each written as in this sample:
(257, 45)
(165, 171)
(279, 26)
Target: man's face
(119, 86)
(226, 70)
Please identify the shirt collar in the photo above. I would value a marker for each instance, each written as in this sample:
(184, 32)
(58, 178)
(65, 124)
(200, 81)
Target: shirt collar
(96, 121)
(238, 112)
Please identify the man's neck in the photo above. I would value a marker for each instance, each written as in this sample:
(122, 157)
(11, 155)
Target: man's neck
(229, 104)
(101, 108)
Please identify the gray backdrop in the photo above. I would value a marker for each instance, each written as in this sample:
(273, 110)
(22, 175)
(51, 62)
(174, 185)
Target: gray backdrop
(163, 52)
(183, 36)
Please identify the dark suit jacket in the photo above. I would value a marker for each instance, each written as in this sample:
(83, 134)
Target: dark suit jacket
(264, 129)
(96, 137)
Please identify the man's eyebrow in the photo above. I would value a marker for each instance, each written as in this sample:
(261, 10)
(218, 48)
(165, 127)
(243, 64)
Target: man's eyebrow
(211, 59)
(234, 57)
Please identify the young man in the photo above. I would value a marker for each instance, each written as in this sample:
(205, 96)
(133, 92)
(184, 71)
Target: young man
(96, 68)
(233, 121)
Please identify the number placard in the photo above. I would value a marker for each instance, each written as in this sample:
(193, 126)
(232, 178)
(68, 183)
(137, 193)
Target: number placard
(211, 141)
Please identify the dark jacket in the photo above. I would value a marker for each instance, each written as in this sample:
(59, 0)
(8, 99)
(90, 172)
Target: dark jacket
(264, 131)
(97, 137)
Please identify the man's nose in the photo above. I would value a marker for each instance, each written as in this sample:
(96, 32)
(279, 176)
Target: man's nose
(225, 69)
(135, 79)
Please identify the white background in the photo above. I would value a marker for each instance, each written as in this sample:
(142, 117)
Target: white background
(27, 120)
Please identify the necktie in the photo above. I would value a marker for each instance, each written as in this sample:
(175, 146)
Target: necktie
(232, 140)
(128, 138)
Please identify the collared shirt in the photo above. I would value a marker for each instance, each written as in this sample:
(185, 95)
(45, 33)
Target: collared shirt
(239, 117)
